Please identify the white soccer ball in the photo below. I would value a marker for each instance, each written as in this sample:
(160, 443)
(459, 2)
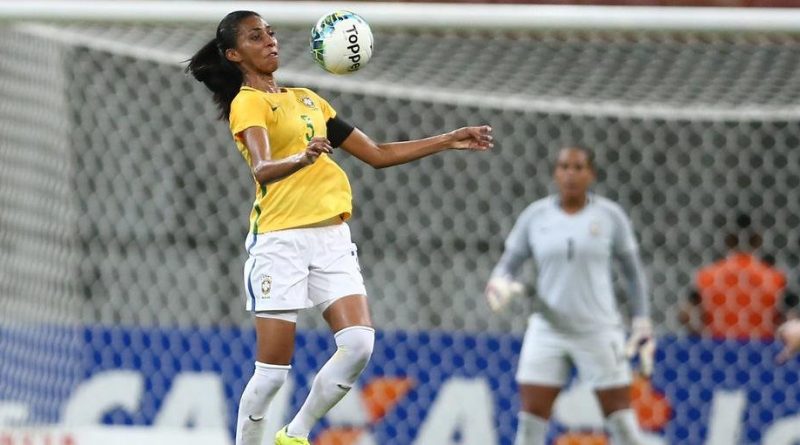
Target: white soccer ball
(341, 42)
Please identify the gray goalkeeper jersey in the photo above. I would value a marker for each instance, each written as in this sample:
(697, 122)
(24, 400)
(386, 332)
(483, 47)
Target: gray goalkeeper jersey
(573, 255)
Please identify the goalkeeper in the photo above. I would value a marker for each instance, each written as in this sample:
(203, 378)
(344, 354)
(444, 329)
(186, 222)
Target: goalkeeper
(572, 236)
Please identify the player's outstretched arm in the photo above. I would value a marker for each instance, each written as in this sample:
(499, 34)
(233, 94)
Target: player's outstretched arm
(388, 154)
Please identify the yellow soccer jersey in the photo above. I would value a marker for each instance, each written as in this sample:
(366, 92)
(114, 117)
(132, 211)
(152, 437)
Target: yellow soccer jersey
(312, 194)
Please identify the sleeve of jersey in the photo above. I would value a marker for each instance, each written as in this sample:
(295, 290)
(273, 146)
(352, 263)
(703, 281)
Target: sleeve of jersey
(624, 238)
(327, 110)
(249, 110)
(627, 251)
(337, 128)
(517, 249)
(637, 291)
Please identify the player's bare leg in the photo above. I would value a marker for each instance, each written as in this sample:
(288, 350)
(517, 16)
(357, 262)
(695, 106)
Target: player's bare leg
(274, 349)
(346, 312)
(275, 340)
(620, 418)
(349, 320)
(536, 407)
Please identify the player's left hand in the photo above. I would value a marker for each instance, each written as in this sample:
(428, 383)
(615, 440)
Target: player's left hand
(472, 138)
(642, 343)
(789, 334)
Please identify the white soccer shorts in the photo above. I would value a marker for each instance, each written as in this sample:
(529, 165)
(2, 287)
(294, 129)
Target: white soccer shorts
(301, 268)
(547, 357)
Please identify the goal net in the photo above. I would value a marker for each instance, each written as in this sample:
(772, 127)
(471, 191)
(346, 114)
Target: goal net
(123, 208)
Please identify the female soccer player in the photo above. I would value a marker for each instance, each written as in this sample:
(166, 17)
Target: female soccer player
(299, 247)
(572, 237)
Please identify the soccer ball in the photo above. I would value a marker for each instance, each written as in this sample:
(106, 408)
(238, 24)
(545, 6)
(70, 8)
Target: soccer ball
(341, 42)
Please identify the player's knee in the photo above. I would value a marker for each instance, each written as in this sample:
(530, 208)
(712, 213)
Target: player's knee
(614, 399)
(536, 406)
(537, 409)
(609, 406)
(356, 344)
(537, 400)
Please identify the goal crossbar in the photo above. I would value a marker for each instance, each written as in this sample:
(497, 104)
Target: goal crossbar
(429, 15)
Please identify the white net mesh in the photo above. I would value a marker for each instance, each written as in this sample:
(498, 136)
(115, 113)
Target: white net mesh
(38, 259)
(124, 202)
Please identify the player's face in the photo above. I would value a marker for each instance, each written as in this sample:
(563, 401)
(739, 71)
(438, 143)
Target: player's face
(574, 174)
(256, 46)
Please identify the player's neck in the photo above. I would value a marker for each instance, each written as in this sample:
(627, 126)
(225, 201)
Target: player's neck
(573, 204)
(262, 82)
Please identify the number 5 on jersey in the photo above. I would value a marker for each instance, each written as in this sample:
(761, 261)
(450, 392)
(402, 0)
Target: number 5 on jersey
(309, 127)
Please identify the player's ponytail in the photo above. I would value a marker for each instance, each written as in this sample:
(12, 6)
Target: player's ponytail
(210, 66)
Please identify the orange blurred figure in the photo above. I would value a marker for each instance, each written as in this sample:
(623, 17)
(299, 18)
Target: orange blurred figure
(739, 293)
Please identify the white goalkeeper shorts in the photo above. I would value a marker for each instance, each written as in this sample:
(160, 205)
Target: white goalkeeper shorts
(548, 357)
(301, 268)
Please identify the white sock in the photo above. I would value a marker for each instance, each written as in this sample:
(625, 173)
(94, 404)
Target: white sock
(531, 429)
(624, 427)
(335, 378)
(262, 387)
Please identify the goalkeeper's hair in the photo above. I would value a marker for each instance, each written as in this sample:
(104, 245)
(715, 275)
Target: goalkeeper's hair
(585, 150)
(210, 66)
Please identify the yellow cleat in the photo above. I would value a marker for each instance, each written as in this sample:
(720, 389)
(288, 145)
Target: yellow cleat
(282, 438)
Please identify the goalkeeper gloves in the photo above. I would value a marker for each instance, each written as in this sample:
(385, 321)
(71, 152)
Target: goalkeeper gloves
(500, 290)
(789, 334)
(643, 344)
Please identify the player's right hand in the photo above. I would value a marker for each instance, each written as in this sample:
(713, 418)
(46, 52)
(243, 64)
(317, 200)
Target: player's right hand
(472, 138)
(642, 342)
(500, 290)
(789, 334)
(316, 147)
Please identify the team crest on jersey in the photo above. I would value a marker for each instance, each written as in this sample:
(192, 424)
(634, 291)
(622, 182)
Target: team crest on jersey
(308, 102)
(266, 286)
(594, 228)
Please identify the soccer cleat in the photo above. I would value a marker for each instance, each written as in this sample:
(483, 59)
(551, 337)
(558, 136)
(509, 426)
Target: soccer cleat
(282, 438)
